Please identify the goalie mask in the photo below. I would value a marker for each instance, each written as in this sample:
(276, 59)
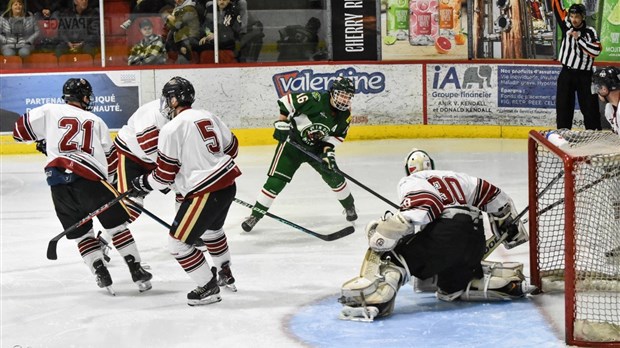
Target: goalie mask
(418, 160)
(177, 89)
(79, 91)
(605, 80)
(341, 93)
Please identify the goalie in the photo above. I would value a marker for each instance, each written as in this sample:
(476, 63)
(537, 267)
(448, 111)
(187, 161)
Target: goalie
(437, 236)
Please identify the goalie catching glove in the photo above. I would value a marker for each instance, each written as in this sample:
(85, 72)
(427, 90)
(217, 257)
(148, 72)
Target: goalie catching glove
(329, 158)
(383, 235)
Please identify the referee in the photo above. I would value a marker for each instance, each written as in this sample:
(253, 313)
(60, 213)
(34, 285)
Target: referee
(580, 45)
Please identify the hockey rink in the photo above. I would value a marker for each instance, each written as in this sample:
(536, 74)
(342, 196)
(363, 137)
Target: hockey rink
(288, 281)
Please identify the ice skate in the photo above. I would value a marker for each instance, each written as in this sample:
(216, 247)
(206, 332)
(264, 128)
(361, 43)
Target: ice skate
(225, 277)
(249, 223)
(138, 274)
(202, 295)
(350, 213)
(103, 278)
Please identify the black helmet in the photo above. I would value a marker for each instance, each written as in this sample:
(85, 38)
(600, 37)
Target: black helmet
(608, 76)
(74, 90)
(179, 88)
(577, 9)
(341, 91)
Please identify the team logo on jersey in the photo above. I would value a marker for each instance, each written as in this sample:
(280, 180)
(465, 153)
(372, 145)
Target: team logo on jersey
(312, 133)
(299, 81)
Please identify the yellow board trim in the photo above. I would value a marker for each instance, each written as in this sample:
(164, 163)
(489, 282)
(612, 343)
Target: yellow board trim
(262, 136)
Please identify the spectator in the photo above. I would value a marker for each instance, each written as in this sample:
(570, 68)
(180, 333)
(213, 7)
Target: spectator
(229, 26)
(78, 29)
(145, 7)
(150, 50)
(580, 45)
(18, 30)
(184, 30)
(251, 33)
(299, 43)
(44, 9)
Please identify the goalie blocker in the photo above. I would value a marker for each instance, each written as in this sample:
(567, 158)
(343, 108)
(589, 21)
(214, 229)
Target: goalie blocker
(451, 249)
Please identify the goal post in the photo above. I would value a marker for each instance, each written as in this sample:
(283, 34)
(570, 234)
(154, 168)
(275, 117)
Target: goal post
(575, 229)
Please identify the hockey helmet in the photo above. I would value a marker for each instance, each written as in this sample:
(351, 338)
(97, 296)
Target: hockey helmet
(180, 89)
(418, 160)
(341, 92)
(608, 77)
(74, 90)
(579, 9)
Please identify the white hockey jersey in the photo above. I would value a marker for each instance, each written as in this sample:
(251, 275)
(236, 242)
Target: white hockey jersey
(195, 153)
(612, 114)
(426, 194)
(138, 138)
(77, 140)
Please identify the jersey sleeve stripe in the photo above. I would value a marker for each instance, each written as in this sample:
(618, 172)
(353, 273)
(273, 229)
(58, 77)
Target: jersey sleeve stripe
(423, 200)
(233, 148)
(485, 192)
(23, 130)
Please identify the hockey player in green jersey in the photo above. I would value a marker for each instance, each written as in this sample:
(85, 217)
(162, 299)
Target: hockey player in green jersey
(319, 122)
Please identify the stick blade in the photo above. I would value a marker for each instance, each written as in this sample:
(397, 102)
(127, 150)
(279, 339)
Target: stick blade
(51, 250)
(339, 234)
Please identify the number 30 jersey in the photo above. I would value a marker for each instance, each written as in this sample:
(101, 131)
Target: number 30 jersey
(426, 194)
(77, 140)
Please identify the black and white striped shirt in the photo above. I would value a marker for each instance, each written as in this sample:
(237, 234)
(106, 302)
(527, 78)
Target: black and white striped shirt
(577, 53)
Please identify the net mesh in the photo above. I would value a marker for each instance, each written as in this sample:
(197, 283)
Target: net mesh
(596, 177)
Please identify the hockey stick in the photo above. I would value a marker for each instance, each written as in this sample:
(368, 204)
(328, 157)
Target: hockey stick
(337, 170)
(53, 243)
(142, 209)
(588, 186)
(326, 237)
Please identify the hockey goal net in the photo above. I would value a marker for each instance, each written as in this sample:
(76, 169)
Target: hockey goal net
(574, 222)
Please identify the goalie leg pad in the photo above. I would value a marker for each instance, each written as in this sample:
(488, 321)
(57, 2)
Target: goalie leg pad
(501, 281)
(375, 287)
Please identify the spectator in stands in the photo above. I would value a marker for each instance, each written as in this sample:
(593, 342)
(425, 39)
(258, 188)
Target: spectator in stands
(18, 30)
(145, 8)
(78, 29)
(184, 31)
(44, 9)
(251, 34)
(229, 26)
(150, 50)
(298, 42)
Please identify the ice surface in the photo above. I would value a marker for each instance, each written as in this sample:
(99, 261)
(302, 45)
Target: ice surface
(288, 281)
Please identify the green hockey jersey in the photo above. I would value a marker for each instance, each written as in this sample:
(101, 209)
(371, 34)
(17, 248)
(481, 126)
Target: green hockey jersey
(314, 120)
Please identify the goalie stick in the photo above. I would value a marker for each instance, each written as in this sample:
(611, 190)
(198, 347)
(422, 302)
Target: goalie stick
(53, 243)
(326, 237)
(337, 170)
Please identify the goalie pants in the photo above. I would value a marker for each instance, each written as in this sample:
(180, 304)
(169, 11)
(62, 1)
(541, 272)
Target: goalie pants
(74, 201)
(451, 248)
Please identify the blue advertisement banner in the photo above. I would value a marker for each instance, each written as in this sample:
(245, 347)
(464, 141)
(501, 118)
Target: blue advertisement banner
(116, 95)
(527, 86)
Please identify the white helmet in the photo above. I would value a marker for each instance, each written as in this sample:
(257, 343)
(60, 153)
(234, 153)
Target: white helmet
(418, 160)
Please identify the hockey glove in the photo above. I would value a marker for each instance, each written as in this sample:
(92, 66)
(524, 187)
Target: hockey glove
(42, 146)
(141, 186)
(281, 131)
(329, 158)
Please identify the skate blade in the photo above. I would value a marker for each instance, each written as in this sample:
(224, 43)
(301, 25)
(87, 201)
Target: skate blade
(110, 290)
(231, 287)
(144, 286)
(205, 301)
(362, 314)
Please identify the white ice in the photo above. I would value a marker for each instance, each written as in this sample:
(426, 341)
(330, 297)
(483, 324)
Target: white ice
(288, 281)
